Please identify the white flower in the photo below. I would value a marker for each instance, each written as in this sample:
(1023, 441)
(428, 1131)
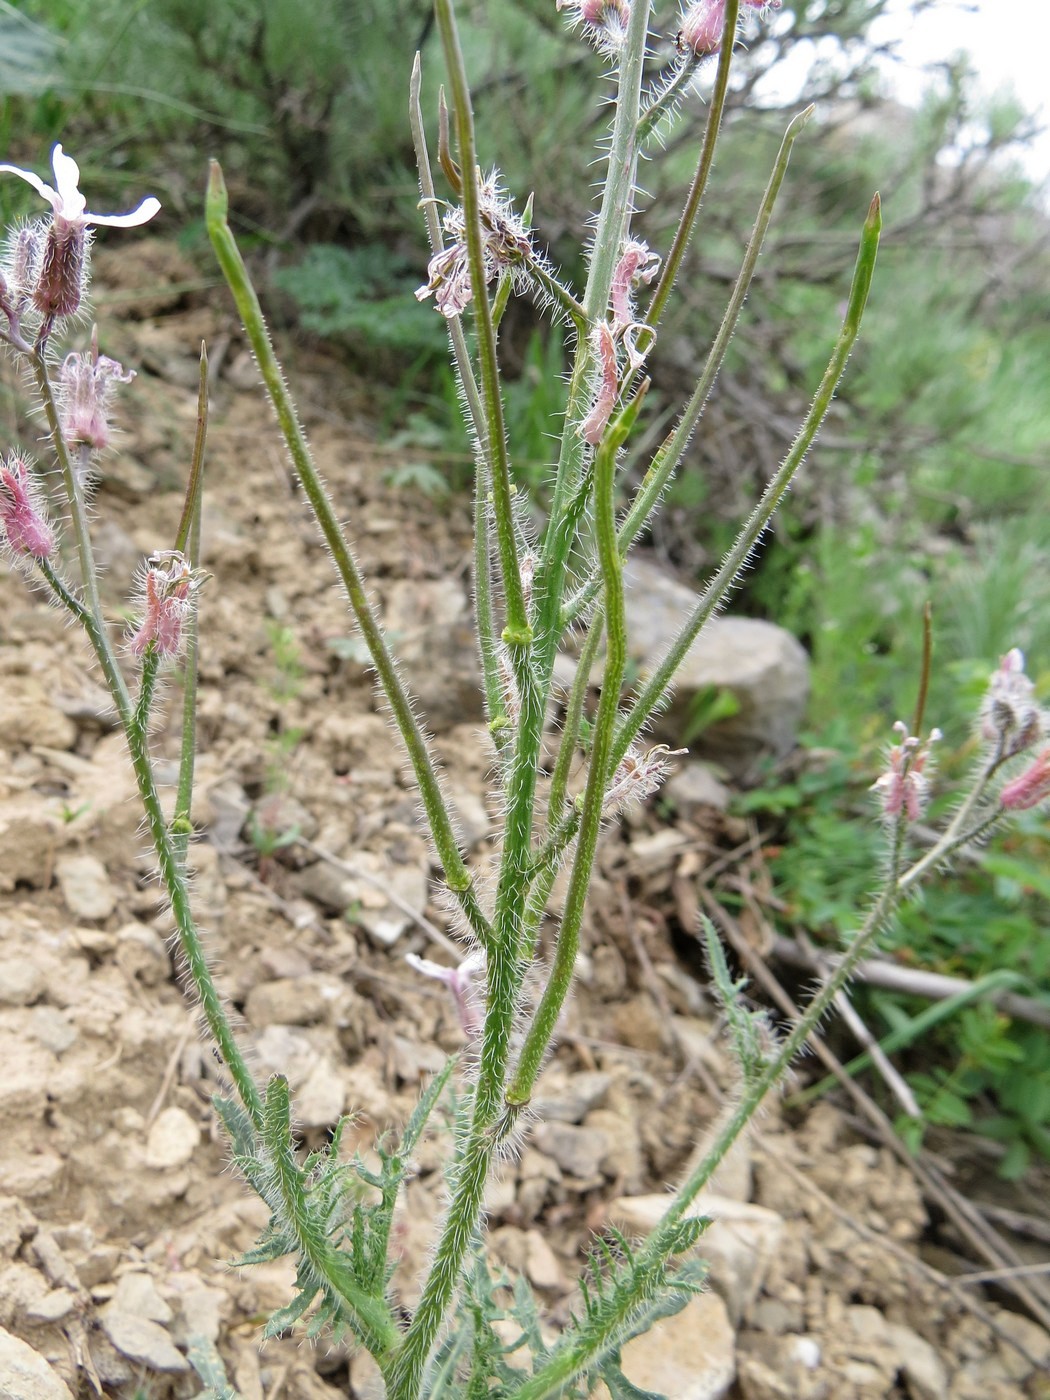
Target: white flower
(69, 205)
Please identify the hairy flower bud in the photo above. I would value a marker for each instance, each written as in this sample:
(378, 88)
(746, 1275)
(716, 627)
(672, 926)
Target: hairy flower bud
(703, 24)
(604, 22)
(904, 787)
(21, 514)
(87, 386)
(1010, 716)
(1030, 788)
(61, 265)
(167, 600)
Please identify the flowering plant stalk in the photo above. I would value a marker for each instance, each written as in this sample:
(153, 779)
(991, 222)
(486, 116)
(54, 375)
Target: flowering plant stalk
(529, 590)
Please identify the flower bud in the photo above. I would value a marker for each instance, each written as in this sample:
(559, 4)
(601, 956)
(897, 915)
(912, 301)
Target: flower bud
(23, 518)
(1010, 716)
(62, 276)
(604, 22)
(1030, 788)
(87, 386)
(904, 787)
(167, 600)
(703, 25)
(638, 265)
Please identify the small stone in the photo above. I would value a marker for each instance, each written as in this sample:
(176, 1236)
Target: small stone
(199, 1309)
(172, 1140)
(27, 717)
(85, 886)
(25, 1375)
(287, 1001)
(17, 1224)
(1029, 1335)
(52, 1028)
(541, 1263)
(52, 1307)
(139, 1339)
(691, 1356)
(569, 1100)
(136, 1293)
(925, 1374)
(21, 982)
(321, 1099)
(694, 785)
(142, 956)
(26, 836)
(578, 1151)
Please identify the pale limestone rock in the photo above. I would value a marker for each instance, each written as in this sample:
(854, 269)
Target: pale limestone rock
(85, 886)
(25, 1375)
(925, 1374)
(690, 1356)
(172, 1140)
(141, 1340)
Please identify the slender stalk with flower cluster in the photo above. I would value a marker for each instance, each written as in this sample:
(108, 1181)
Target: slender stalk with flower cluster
(335, 1218)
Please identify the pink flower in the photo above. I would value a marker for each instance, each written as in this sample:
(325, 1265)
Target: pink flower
(168, 588)
(605, 400)
(461, 983)
(905, 786)
(703, 24)
(604, 22)
(87, 386)
(21, 514)
(60, 267)
(1009, 714)
(1031, 788)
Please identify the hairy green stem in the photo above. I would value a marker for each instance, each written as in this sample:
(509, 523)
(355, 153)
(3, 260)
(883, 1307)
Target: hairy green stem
(563, 967)
(664, 101)
(658, 686)
(188, 541)
(686, 224)
(517, 632)
(487, 640)
(457, 876)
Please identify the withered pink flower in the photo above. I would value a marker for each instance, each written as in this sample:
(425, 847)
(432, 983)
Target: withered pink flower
(637, 267)
(1030, 788)
(703, 24)
(22, 515)
(168, 589)
(506, 246)
(638, 776)
(904, 787)
(87, 385)
(60, 267)
(461, 982)
(605, 400)
(1009, 713)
